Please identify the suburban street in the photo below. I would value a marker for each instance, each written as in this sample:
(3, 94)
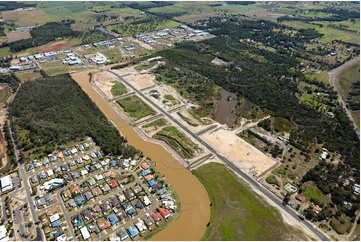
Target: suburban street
(250, 180)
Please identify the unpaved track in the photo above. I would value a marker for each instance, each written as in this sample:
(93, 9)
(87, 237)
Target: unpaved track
(333, 76)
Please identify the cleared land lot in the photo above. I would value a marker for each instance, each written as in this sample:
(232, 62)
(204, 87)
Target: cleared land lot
(108, 84)
(244, 155)
(237, 212)
(141, 81)
(135, 107)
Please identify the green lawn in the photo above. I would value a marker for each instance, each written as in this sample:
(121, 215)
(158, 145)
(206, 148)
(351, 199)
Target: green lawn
(330, 34)
(135, 107)
(346, 78)
(118, 89)
(238, 213)
(178, 141)
(311, 192)
(157, 123)
(5, 51)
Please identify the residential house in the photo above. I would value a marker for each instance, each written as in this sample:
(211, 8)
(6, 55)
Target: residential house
(114, 201)
(121, 197)
(152, 183)
(123, 234)
(148, 220)
(146, 201)
(105, 187)
(85, 233)
(113, 219)
(94, 228)
(128, 209)
(79, 201)
(88, 195)
(137, 189)
(144, 166)
(129, 194)
(104, 207)
(164, 212)
(145, 172)
(75, 189)
(133, 231)
(96, 209)
(114, 184)
(72, 203)
(140, 225)
(156, 216)
(88, 215)
(104, 225)
(139, 204)
(97, 192)
(300, 198)
(316, 209)
(149, 177)
(56, 223)
(91, 182)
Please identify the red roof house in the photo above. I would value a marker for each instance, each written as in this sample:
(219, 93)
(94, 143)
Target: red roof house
(114, 184)
(144, 166)
(300, 198)
(149, 177)
(164, 212)
(76, 189)
(156, 216)
(105, 225)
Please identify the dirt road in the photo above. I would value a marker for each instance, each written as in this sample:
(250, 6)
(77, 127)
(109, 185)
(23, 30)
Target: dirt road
(333, 76)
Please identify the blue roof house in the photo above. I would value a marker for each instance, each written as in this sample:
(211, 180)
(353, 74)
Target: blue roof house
(152, 183)
(79, 201)
(56, 223)
(133, 231)
(113, 219)
(145, 172)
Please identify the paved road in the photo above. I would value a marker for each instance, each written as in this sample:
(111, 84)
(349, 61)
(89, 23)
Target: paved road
(250, 180)
(333, 79)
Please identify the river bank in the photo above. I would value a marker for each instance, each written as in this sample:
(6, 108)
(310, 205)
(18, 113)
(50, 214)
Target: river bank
(194, 200)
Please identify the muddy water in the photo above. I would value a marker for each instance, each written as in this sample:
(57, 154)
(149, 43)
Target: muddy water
(195, 203)
(225, 107)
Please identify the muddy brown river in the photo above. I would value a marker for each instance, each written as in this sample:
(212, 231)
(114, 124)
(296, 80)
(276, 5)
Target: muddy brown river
(195, 203)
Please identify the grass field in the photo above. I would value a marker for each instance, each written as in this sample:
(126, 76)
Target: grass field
(118, 89)
(5, 51)
(347, 78)
(28, 75)
(344, 86)
(135, 107)
(157, 123)
(281, 124)
(238, 213)
(5, 92)
(312, 193)
(177, 141)
(329, 33)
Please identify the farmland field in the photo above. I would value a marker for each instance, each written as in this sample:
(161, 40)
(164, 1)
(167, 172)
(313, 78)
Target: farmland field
(237, 212)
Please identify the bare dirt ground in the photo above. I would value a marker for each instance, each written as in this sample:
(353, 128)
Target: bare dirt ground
(141, 81)
(57, 46)
(17, 35)
(142, 44)
(26, 18)
(244, 155)
(218, 62)
(105, 81)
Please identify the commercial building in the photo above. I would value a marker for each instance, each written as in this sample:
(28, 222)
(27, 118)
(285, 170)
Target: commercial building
(6, 183)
